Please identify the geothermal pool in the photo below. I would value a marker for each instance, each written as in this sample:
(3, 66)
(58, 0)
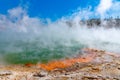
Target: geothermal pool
(51, 43)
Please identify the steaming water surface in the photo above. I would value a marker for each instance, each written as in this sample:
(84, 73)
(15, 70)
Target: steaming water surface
(54, 42)
(25, 39)
(47, 44)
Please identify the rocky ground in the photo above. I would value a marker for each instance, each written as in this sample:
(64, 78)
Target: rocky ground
(103, 66)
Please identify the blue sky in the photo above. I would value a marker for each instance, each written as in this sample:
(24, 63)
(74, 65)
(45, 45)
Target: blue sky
(52, 9)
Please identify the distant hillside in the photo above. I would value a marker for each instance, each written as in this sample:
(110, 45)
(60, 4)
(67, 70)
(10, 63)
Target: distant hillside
(107, 23)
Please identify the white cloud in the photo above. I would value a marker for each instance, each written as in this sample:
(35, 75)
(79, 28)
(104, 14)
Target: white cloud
(108, 8)
(104, 6)
(115, 9)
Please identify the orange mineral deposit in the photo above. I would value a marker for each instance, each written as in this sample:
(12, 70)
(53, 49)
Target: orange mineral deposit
(65, 63)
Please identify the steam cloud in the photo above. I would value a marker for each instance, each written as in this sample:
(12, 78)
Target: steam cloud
(20, 33)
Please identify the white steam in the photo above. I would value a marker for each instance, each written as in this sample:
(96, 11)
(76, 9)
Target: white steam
(17, 25)
(18, 30)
